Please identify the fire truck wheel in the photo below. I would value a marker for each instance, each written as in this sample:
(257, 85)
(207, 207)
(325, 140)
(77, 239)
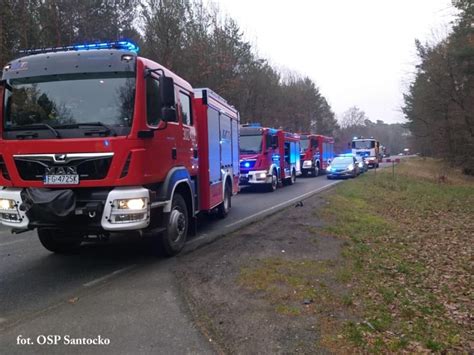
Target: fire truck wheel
(315, 171)
(174, 237)
(58, 241)
(274, 184)
(292, 179)
(224, 207)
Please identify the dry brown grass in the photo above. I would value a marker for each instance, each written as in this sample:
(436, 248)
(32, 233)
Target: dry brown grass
(434, 170)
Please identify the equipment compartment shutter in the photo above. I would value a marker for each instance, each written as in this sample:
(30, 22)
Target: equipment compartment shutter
(235, 147)
(226, 141)
(214, 146)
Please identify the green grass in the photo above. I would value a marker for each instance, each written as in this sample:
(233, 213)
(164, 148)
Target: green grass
(405, 255)
(376, 213)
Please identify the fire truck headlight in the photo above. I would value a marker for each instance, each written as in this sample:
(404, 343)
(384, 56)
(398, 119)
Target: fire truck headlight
(261, 176)
(6, 204)
(350, 167)
(131, 204)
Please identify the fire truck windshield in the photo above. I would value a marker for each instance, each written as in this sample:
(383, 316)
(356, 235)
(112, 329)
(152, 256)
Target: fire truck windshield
(304, 143)
(250, 144)
(70, 101)
(367, 144)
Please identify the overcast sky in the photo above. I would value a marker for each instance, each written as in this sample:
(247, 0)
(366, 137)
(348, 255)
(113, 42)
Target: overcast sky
(359, 52)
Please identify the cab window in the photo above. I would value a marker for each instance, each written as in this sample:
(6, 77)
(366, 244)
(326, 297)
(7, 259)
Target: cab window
(153, 103)
(186, 111)
(268, 141)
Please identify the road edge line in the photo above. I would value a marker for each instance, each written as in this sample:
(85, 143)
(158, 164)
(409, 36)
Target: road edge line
(206, 239)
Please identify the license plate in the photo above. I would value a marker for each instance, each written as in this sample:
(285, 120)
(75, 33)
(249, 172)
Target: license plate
(61, 179)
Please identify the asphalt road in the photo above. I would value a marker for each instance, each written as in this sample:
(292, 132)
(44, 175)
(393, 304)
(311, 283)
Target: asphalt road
(117, 290)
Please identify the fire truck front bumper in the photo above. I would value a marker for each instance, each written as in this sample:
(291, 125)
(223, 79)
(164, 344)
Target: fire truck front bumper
(117, 209)
(10, 213)
(255, 177)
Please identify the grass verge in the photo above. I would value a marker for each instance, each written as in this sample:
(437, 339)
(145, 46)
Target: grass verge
(404, 282)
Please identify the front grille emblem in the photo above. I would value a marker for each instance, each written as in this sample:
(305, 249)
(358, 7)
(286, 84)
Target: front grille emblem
(60, 158)
(67, 170)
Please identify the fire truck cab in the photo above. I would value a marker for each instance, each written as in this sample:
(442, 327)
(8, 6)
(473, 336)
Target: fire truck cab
(316, 153)
(268, 157)
(97, 140)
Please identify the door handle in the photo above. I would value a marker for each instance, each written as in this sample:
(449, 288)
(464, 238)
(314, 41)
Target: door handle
(173, 153)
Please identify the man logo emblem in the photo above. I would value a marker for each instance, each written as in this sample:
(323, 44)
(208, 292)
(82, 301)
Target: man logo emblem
(58, 170)
(60, 157)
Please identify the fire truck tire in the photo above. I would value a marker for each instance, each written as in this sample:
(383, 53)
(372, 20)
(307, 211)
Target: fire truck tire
(315, 171)
(174, 237)
(58, 241)
(224, 208)
(292, 179)
(274, 184)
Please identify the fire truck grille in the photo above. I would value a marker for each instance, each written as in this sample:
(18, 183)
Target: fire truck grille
(247, 164)
(87, 169)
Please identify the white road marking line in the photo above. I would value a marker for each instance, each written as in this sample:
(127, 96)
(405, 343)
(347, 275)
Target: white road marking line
(281, 204)
(12, 242)
(108, 276)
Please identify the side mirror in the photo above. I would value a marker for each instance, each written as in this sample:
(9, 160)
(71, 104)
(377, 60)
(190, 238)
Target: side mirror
(167, 91)
(329, 161)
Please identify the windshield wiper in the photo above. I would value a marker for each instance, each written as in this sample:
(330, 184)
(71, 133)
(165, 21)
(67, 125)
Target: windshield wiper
(35, 126)
(108, 129)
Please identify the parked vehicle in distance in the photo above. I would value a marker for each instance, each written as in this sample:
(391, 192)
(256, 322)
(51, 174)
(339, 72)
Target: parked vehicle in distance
(344, 166)
(269, 157)
(96, 140)
(316, 152)
(363, 167)
(369, 148)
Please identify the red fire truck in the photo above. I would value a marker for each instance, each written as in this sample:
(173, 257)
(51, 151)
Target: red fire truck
(316, 153)
(97, 140)
(268, 157)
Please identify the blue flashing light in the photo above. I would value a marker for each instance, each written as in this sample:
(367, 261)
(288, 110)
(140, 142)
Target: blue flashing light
(247, 164)
(346, 155)
(123, 45)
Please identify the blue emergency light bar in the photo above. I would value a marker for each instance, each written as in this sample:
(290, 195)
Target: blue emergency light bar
(123, 45)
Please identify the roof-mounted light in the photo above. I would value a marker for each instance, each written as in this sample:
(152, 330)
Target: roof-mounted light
(122, 45)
